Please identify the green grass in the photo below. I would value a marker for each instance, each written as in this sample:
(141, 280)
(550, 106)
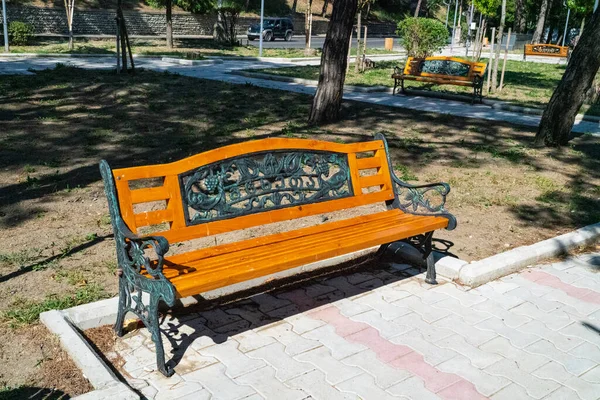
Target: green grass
(25, 312)
(525, 83)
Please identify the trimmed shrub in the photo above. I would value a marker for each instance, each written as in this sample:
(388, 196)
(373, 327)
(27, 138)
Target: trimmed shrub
(20, 33)
(422, 37)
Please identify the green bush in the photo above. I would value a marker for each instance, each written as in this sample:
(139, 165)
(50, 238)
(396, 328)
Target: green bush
(421, 37)
(20, 33)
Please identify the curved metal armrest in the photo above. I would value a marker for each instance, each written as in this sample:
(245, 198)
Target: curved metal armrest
(138, 244)
(397, 70)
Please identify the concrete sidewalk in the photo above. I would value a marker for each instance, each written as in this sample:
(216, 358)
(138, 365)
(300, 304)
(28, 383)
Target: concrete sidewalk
(383, 333)
(221, 72)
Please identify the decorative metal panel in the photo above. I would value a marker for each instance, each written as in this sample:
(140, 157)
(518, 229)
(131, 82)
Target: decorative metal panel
(259, 182)
(445, 67)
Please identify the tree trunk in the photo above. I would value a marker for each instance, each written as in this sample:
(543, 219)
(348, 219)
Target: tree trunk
(294, 5)
(498, 45)
(169, 6)
(358, 31)
(324, 9)
(328, 99)
(418, 8)
(559, 115)
(307, 26)
(519, 16)
(539, 28)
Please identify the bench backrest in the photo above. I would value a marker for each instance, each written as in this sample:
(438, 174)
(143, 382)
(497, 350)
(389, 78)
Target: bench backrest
(549, 50)
(250, 184)
(443, 67)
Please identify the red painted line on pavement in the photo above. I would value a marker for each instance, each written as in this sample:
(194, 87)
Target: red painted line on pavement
(546, 279)
(447, 386)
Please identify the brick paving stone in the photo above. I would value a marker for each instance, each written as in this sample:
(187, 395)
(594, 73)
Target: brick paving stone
(388, 311)
(285, 366)
(429, 313)
(485, 383)
(535, 387)
(563, 393)
(217, 318)
(140, 357)
(294, 343)
(264, 382)
(587, 351)
(555, 320)
(267, 302)
(385, 376)
(560, 341)
(390, 295)
(249, 340)
(574, 365)
(592, 376)
(566, 275)
(181, 390)
(580, 331)
(420, 289)
(500, 286)
(385, 350)
(341, 283)
(192, 361)
(466, 298)
(207, 338)
(327, 335)
(222, 387)
(543, 304)
(470, 315)
(473, 335)
(251, 313)
(334, 370)
(386, 328)
(365, 388)
(412, 388)
(509, 318)
(512, 392)
(429, 332)
(517, 338)
(499, 297)
(477, 357)
(149, 392)
(202, 394)
(526, 361)
(302, 323)
(236, 362)
(318, 388)
(586, 390)
(350, 308)
(580, 305)
(432, 353)
(527, 281)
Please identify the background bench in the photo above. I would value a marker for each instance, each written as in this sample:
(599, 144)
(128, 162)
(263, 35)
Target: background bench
(252, 184)
(545, 50)
(442, 71)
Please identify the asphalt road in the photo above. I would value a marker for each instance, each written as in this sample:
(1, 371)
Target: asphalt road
(297, 42)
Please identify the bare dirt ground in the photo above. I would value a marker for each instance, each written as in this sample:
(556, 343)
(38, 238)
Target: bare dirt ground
(57, 249)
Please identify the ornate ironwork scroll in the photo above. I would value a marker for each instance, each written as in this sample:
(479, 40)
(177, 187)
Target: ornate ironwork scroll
(428, 199)
(263, 181)
(444, 67)
(138, 274)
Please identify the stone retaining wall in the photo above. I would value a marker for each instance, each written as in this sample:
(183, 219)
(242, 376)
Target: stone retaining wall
(102, 22)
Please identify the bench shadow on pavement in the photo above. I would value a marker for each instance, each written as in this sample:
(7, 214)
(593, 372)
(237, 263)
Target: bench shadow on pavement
(222, 318)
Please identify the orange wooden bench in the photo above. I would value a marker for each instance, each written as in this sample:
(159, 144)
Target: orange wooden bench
(251, 184)
(545, 50)
(442, 71)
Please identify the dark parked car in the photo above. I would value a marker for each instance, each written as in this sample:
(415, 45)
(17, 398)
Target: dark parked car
(273, 28)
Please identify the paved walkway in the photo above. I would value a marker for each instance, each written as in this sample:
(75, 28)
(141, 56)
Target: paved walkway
(384, 334)
(221, 72)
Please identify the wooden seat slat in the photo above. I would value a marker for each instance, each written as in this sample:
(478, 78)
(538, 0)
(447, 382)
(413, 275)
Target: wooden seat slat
(187, 285)
(303, 243)
(278, 237)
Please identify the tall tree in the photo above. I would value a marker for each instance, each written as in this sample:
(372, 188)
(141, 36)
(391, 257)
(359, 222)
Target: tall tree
(559, 115)
(498, 45)
(324, 9)
(418, 8)
(328, 99)
(70, 8)
(520, 16)
(539, 27)
(169, 16)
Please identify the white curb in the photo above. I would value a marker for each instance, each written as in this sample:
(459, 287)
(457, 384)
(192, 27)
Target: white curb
(184, 61)
(93, 368)
(480, 272)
